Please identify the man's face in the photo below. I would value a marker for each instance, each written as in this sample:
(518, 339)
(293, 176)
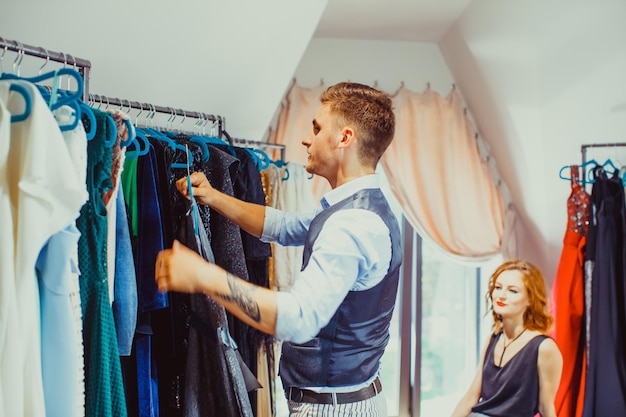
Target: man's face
(321, 144)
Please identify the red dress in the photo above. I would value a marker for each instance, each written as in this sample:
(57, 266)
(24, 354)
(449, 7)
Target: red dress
(567, 303)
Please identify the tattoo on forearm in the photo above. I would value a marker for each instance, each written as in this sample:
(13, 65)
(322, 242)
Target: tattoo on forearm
(241, 295)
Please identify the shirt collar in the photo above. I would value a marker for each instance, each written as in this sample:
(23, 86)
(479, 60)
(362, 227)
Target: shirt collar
(349, 188)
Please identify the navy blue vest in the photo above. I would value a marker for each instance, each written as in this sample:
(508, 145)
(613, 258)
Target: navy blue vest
(348, 350)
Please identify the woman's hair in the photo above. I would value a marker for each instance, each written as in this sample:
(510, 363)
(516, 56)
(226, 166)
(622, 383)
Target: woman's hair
(536, 316)
(369, 111)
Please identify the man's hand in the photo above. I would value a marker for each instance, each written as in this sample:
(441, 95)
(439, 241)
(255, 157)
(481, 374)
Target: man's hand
(202, 189)
(180, 269)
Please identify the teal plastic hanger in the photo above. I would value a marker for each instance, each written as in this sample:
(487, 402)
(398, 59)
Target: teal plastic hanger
(199, 140)
(64, 98)
(213, 140)
(583, 166)
(111, 130)
(261, 158)
(588, 168)
(86, 111)
(28, 102)
(130, 128)
(171, 144)
(138, 150)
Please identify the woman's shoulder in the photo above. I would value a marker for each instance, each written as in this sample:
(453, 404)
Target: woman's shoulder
(548, 346)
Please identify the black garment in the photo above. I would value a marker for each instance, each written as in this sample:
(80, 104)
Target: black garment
(213, 380)
(511, 390)
(248, 187)
(605, 389)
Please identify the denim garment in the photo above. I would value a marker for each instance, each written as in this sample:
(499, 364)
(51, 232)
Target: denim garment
(147, 376)
(149, 234)
(125, 283)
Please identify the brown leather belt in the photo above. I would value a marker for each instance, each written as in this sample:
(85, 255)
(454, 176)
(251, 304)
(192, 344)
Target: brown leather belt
(307, 396)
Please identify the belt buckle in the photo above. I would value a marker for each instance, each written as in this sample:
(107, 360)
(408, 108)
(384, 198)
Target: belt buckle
(300, 395)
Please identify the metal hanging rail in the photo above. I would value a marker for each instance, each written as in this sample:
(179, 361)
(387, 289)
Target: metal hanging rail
(583, 148)
(260, 144)
(123, 103)
(82, 65)
(152, 108)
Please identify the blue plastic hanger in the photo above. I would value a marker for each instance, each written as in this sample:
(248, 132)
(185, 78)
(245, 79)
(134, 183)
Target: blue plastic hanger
(63, 99)
(160, 136)
(588, 167)
(130, 128)
(28, 102)
(86, 110)
(138, 150)
(261, 158)
(199, 140)
(583, 166)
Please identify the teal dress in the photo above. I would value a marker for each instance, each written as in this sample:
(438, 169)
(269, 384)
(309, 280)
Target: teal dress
(104, 387)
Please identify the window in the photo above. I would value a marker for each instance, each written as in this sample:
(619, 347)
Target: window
(437, 333)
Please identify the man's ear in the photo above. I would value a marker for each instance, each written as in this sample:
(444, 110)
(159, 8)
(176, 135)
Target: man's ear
(347, 137)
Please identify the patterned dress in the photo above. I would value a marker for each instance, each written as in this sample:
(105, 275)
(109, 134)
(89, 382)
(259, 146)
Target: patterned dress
(104, 389)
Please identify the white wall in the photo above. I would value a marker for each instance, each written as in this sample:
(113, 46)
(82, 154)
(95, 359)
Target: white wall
(386, 63)
(234, 58)
(542, 78)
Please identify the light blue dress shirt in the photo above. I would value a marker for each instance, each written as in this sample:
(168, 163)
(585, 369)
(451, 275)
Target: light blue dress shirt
(351, 253)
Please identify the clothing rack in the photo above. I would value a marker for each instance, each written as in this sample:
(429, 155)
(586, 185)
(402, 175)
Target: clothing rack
(259, 144)
(83, 66)
(583, 148)
(122, 103)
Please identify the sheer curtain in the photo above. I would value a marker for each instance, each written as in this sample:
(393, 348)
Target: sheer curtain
(447, 190)
(294, 123)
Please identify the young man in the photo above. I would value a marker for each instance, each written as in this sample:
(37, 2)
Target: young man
(334, 321)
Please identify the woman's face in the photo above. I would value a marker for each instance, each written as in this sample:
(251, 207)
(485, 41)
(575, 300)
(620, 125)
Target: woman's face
(509, 296)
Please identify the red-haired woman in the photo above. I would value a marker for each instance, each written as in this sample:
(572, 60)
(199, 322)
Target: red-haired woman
(520, 369)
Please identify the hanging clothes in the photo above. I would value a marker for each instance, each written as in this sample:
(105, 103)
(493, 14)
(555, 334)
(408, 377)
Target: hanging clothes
(199, 373)
(210, 331)
(104, 389)
(567, 302)
(40, 195)
(605, 388)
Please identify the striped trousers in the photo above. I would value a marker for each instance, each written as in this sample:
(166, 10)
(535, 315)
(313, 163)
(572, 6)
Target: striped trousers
(372, 407)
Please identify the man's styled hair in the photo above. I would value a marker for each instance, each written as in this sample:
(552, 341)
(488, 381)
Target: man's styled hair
(368, 111)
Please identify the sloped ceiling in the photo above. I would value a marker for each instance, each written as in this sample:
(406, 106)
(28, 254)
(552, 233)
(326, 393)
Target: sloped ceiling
(390, 20)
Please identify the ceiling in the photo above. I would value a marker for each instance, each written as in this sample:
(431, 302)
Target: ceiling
(390, 20)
